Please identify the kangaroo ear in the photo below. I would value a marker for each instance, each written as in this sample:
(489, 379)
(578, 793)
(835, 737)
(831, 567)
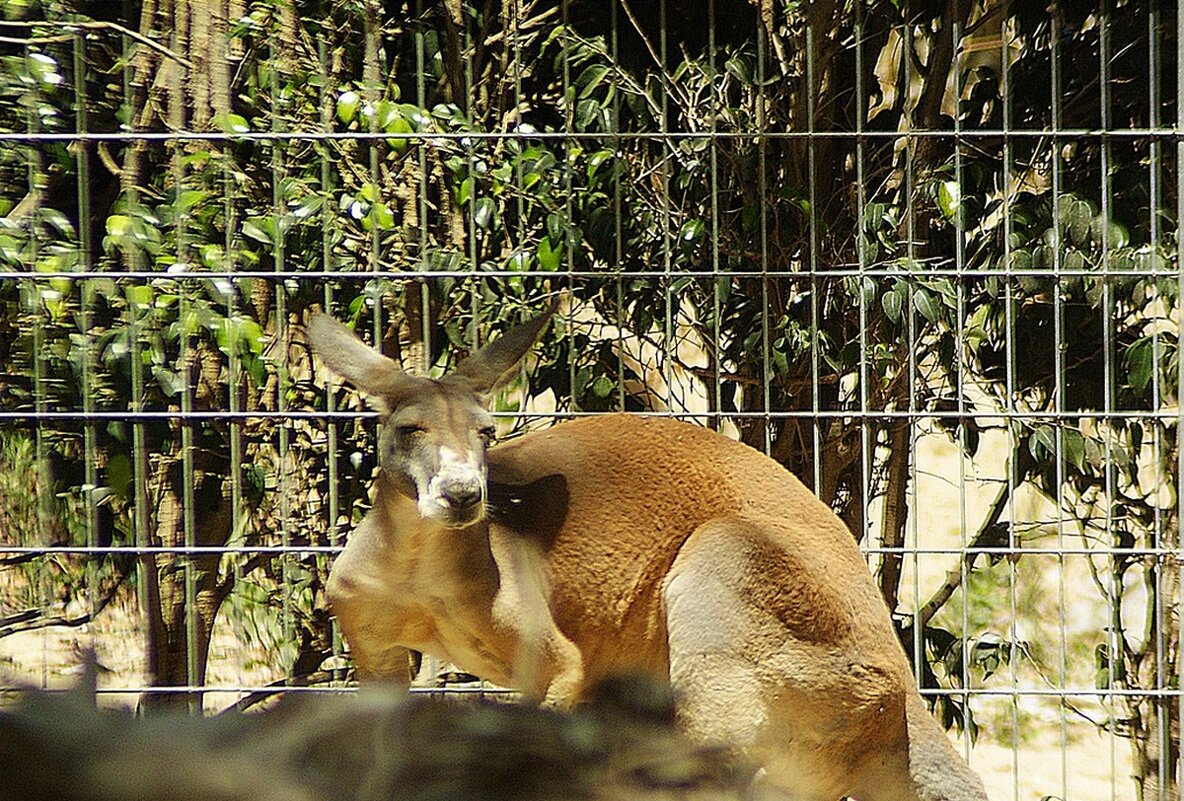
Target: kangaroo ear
(492, 365)
(349, 357)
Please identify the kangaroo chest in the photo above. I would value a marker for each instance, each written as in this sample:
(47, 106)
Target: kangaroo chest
(432, 591)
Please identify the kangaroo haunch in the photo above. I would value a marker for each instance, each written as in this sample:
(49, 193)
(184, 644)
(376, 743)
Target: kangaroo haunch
(623, 544)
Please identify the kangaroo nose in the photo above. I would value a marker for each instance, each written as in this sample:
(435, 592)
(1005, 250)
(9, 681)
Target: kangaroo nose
(462, 495)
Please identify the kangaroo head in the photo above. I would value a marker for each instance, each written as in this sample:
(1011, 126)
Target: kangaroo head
(435, 432)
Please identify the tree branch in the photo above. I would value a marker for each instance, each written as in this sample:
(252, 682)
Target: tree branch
(278, 687)
(33, 619)
(101, 25)
(987, 532)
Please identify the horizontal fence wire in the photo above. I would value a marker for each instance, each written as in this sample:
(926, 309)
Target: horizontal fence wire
(468, 137)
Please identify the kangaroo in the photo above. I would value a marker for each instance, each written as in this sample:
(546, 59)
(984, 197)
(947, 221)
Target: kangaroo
(619, 544)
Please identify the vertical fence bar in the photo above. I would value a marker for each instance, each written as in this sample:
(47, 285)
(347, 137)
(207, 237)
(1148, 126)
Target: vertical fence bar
(147, 584)
(812, 191)
(34, 183)
(1159, 611)
(1108, 309)
(962, 362)
(865, 449)
(279, 254)
(900, 537)
(1179, 165)
(1058, 336)
(86, 300)
(569, 125)
(764, 418)
(667, 350)
(1011, 463)
(618, 145)
(239, 518)
(188, 357)
(421, 198)
(328, 262)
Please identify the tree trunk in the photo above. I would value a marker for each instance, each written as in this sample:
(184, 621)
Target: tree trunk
(183, 589)
(1155, 720)
(896, 508)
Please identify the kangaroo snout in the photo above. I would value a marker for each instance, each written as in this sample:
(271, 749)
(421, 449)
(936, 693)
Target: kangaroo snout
(456, 493)
(462, 495)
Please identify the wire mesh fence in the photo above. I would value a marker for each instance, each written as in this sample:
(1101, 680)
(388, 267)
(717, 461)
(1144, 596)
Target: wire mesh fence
(924, 255)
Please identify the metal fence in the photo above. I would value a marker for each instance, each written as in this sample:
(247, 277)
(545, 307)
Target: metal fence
(925, 255)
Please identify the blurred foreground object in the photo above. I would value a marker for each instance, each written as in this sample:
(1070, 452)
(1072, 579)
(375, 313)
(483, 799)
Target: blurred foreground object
(370, 746)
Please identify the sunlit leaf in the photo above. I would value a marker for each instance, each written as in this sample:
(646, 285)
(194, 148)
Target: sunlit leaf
(232, 123)
(949, 199)
(485, 213)
(255, 231)
(347, 106)
(927, 305)
(119, 225)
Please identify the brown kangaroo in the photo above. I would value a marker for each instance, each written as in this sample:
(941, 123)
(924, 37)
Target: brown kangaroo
(624, 544)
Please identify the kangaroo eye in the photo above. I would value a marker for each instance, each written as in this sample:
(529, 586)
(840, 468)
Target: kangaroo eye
(489, 434)
(410, 430)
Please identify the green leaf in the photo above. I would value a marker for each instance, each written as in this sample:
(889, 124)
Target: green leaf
(10, 249)
(949, 199)
(602, 386)
(386, 112)
(190, 198)
(119, 474)
(590, 78)
(308, 207)
(226, 335)
(1043, 437)
(691, 231)
(548, 256)
(925, 303)
(256, 231)
(171, 383)
(418, 117)
(1019, 260)
(893, 305)
(232, 123)
(398, 124)
(251, 334)
(596, 159)
(485, 213)
(556, 227)
(58, 221)
(382, 216)
(139, 295)
(1074, 260)
(739, 69)
(779, 358)
(119, 225)
(347, 106)
(465, 191)
(1078, 219)
(1074, 448)
(1140, 360)
(520, 261)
